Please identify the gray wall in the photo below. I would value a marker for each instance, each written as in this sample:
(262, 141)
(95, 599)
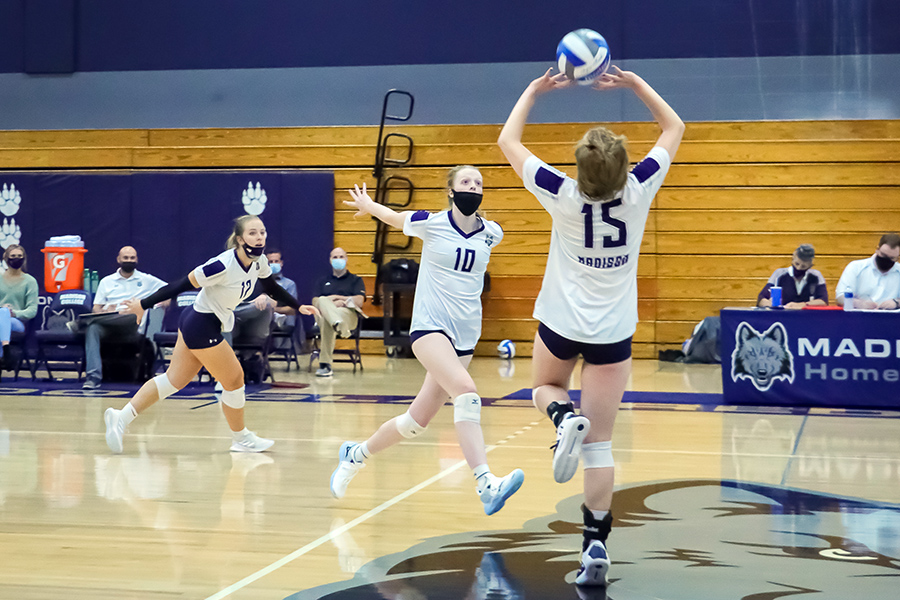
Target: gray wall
(700, 89)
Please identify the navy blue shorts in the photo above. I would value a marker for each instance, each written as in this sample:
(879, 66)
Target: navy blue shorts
(414, 335)
(200, 330)
(594, 354)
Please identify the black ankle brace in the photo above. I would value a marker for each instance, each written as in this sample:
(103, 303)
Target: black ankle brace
(594, 529)
(557, 411)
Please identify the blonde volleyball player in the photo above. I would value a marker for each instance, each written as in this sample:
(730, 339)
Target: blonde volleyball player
(224, 280)
(588, 300)
(446, 324)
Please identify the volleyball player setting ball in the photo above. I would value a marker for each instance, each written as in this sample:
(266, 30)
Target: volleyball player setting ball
(225, 281)
(446, 325)
(587, 305)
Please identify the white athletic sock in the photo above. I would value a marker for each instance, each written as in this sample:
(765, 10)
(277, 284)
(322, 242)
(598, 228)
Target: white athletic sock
(127, 414)
(237, 435)
(599, 514)
(483, 477)
(359, 452)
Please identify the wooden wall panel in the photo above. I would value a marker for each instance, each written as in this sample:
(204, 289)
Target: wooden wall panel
(739, 199)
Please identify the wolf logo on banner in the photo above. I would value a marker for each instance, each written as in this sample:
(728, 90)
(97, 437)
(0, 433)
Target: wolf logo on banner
(762, 358)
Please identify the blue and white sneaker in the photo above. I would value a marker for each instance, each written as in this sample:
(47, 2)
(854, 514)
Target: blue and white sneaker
(594, 565)
(567, 450)
(346, 470)
(495, 494)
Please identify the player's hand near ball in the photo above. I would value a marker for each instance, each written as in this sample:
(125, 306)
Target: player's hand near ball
(548, 82)
(617, 78)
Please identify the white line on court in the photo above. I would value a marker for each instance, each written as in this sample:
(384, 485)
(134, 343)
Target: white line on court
(340, 530)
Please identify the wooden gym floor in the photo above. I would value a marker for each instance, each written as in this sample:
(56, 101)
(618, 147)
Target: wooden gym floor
(713, 502)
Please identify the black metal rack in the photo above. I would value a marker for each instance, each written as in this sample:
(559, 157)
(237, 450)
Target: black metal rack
(384, 185)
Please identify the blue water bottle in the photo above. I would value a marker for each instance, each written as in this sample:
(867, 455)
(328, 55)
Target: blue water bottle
(848, 300)
(776, 296)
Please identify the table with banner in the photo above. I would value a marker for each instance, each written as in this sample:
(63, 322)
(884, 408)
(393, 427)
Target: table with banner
(825, 358)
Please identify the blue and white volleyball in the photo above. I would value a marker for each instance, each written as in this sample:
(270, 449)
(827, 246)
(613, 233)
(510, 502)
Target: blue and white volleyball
(506, 349)
(583, 56)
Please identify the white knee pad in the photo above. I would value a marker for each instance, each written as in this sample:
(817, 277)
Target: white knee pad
(234, 398)
(597, 455)
(408, 427)
(164, 387)
(467, 407)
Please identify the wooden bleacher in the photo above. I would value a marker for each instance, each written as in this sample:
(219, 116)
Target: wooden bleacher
(738, 200)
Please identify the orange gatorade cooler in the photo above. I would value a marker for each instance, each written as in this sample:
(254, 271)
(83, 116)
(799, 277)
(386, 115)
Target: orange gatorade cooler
(63, 268)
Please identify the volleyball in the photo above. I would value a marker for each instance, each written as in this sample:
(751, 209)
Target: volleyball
(506, 349)
(583, 56)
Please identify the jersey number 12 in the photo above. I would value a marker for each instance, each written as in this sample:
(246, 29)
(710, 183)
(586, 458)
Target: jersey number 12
(608, 241)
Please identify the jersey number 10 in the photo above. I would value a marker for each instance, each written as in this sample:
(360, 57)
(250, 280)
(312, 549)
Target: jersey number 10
(608, 241)
(467, 259)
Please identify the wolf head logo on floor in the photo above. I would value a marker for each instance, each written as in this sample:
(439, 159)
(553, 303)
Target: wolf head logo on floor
(698, 539)
(761, 357)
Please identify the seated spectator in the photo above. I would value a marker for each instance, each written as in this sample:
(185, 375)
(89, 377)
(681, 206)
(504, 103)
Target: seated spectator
(874, 281)
(125, 284)
(338, 297)
(800, 284)
(18, 298)
(284, 319)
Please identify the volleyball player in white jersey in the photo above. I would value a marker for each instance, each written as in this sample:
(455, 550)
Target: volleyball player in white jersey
(224, 280)
(446, 325)
(588, 300)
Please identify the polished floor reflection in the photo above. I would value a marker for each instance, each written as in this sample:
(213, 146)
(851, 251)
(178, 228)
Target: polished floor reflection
(713, 502)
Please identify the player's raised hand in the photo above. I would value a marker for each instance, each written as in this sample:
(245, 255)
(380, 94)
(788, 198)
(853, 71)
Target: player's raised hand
(548, 82)
(361, 201)
(616, 78)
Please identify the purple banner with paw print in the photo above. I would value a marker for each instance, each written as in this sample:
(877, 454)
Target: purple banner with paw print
(176, 220)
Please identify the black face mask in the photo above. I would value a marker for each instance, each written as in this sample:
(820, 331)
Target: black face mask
(254, 252)
(799, 273)
(883, 263)
(128, 266)
(467, 202)
(16, 263)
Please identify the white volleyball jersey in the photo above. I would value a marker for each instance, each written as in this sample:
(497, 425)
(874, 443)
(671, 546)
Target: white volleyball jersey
(225, 283)
(589, 292)
(451, 275)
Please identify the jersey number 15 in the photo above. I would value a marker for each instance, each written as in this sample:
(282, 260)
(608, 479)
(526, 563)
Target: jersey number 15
(608, 241)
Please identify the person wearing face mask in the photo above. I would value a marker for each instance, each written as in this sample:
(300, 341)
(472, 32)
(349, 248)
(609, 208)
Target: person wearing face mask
(18, 298)
(126, 282)
(800, 284)
(339, 297)
(446, 325)
(224, 281)
(254, 316)
(874, 281)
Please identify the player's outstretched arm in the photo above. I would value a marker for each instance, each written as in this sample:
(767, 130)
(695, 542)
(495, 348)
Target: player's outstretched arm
(510, 140)
(366, 206)
(671, 124)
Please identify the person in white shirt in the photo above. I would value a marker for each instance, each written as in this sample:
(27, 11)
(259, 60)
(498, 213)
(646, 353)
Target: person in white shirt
(588, 301)
(224, 280)
(446, 325)
(874, 281)
(127, 282)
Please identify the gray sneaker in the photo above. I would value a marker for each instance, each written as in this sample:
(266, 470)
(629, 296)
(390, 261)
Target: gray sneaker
(90, 384)
(324, 372)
